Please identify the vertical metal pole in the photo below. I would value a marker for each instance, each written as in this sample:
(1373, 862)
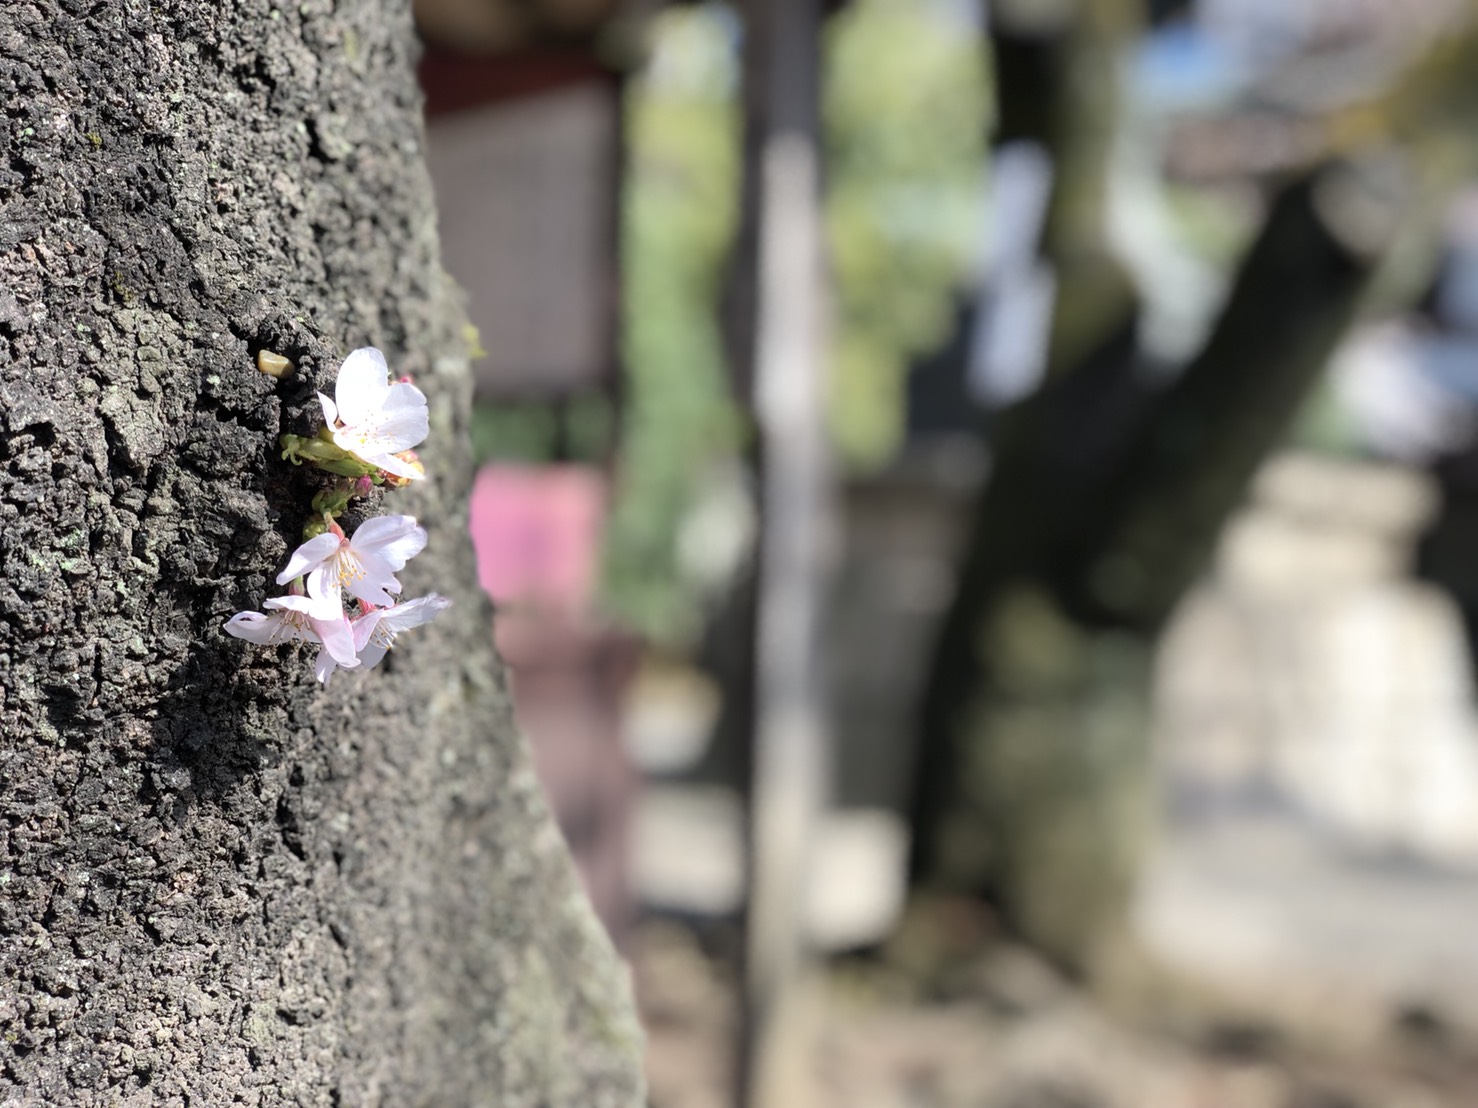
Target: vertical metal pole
(790, 742)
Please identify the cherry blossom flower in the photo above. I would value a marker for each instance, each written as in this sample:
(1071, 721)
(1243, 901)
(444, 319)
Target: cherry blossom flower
(373, 419)
(375, 631)
(365, 564)
(312, 619)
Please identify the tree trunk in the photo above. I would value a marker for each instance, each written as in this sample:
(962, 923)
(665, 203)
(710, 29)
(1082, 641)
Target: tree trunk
(223, 884)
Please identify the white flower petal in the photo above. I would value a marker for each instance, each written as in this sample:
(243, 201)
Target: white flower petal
(394, 540)
(324, 607)
(310, 556)
(413, 613)
(254, 627)
(374, 588)
(330, 411)
(292, 603)
(363, 441)
(375, 631)
(362, 385)
(323, 584)
(391, 464)
(403, 419)
(403, 398)
(373, 654)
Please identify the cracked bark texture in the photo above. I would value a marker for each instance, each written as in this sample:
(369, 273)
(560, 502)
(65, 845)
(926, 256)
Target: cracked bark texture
(220, 884)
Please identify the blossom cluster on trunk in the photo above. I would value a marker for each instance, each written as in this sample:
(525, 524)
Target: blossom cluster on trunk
(370, 429)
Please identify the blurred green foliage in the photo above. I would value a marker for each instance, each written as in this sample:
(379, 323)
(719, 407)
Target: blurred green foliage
(906, 105)
(578, 427)
(905, 111)
(513, 432)
(678, 216)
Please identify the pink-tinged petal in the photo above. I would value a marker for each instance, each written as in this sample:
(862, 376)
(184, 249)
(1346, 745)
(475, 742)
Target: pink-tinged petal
(338, 639)
(324, 665)
(365, 626)
(373, 653)
(310, 556)
(330, 411)
(253, 627)
(362, 385)
(393, 540)
(324, 607)
(373, 637)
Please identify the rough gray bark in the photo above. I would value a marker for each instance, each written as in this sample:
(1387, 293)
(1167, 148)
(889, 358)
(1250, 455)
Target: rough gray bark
(218, 883)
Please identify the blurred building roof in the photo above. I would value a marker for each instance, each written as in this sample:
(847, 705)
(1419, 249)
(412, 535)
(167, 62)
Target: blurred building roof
(489, 27)
(526, 191)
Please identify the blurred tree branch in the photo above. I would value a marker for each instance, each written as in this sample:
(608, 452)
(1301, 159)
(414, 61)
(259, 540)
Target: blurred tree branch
(1106, 500)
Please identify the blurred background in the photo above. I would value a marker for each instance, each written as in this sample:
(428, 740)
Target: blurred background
(981, 498)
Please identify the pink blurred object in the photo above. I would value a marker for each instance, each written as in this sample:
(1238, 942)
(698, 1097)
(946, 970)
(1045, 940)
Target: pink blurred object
(537, 534)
